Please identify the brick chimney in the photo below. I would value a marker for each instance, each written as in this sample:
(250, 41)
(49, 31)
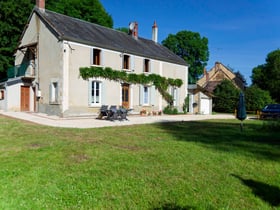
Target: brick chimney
(133, 29)
(155, 32)
(40, 4)
(206, 74)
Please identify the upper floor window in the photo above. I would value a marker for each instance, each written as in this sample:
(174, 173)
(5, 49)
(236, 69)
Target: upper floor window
(96, 57)
(126, 60)
(147, 65)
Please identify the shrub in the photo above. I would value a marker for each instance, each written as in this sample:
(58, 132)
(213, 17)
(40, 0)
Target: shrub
(170, 110)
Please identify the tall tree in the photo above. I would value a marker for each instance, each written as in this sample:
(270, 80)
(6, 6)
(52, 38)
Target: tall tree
(88, 10)
(14, 15)
(192, 48)
(226, 97)
(256, 98)
(267, 76)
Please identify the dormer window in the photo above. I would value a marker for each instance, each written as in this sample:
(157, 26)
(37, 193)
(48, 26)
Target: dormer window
(126, 60)
(146, 65)
(96, 57)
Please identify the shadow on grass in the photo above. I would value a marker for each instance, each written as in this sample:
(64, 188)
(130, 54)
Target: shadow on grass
(226, 136)
(172, 206)
(268, 193)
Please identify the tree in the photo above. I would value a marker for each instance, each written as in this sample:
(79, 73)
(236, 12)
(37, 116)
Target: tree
(14, 15)
(256, 98)
(267, 76)
(225, 97)
(192, 48)
(88, 10)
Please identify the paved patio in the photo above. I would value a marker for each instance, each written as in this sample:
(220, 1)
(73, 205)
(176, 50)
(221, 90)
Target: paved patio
(91, 122)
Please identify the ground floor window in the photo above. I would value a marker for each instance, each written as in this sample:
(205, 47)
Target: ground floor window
(146, 95)
(54, 92)
(95, 93)
(174, 95)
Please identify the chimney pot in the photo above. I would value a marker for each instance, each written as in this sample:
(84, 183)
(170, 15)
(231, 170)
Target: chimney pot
(40, 4)
(133, 29)
(155, 32)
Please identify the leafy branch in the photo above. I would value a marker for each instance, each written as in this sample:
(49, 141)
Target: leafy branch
(160, 83)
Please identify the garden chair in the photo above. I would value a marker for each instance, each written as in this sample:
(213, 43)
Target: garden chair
(103, 112)
(113, 113)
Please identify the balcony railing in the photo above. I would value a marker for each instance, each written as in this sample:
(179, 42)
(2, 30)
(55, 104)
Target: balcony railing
(23, 70)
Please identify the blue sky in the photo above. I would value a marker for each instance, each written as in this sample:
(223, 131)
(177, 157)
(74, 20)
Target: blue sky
(240, 33)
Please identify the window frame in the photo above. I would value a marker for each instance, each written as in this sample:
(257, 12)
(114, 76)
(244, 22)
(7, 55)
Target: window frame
(95, 99)
(147, 66)
(126, 62)
(96, 56)
(146, 95)
(54, 92)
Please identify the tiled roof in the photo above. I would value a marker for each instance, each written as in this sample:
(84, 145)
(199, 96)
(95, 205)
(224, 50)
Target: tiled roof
(72, 29)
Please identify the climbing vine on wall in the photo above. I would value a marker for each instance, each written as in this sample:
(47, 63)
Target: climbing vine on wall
(160, 83)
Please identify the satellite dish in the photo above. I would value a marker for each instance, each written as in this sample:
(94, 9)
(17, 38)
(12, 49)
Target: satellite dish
(131, 26)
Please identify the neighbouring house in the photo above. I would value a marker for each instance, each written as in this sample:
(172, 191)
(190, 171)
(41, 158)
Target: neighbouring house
(201, 93)
(52, 49)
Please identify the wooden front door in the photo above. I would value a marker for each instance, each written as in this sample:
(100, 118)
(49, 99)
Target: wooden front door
(24, 98)
(125, 95)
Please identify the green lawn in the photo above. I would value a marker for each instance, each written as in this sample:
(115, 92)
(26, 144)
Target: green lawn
(184, 165)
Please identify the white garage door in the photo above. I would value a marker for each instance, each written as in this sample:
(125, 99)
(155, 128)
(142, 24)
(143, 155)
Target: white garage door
(205, 106)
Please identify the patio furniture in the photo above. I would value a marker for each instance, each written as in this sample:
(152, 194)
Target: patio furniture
(103, 112)
(113, 113)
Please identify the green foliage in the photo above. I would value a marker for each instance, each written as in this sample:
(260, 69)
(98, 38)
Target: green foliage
(161, 83)
(267, 76)
(88, 10)
(192, 48)
(170, 110)
(226, 97)
(186, 104)
(14, 15)
(123, 29)
(256, 98)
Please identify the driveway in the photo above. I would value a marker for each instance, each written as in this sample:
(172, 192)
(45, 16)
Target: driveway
(91, 122)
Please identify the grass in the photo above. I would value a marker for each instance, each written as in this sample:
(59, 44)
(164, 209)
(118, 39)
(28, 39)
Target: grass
(184, 165)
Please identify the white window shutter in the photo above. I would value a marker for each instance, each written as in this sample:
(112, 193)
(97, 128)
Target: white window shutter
(50, 93)
(91, 56)
(132, 63)
(141, 94)
(153, 95)
(101, 58)
(103, 93)
(151, 66)
(89, 92)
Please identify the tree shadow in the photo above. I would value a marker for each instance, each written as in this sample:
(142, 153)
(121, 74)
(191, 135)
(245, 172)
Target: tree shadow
(172, 206)
(268, 193)
(227, 137)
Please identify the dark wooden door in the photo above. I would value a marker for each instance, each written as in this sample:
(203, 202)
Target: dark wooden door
(125, 95)
(24, 98)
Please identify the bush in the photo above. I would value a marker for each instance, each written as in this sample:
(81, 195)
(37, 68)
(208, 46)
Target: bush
(170, 110)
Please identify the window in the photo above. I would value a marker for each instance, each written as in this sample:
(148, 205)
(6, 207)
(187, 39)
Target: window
(146, 94)
(95, 92)
(146, 65)
(54, 92)
(126, 61)
(174, 95)
(2, 94)
(96, 57)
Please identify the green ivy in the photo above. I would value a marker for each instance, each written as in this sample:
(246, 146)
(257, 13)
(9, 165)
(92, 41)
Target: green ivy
(161, 83)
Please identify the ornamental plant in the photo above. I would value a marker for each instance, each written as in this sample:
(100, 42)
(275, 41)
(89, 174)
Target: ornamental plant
(161, 83)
